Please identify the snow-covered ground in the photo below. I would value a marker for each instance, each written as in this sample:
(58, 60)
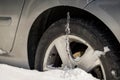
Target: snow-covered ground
(8, 72)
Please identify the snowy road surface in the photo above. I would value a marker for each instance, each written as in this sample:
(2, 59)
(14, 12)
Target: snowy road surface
(14, 73)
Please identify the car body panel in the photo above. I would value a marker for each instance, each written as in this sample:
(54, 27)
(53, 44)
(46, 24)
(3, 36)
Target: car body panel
(10, 11)
(108, 11)
(33, 8)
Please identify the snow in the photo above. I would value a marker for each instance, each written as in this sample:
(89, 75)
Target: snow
(106, 49)
(100, 53)
(2, 51)
(8, 72)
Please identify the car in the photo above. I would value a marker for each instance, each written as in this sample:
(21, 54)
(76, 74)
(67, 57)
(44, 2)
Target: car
(49, 34)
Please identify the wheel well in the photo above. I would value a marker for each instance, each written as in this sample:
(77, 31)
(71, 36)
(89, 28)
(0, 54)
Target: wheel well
(51, 15)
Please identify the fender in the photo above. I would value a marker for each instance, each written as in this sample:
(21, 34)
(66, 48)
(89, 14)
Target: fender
(32, 9)
(108, 12)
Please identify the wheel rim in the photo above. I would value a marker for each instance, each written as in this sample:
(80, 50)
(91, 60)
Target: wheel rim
(83, 58)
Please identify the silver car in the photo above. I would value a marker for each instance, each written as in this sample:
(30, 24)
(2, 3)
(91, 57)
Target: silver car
(49, 34)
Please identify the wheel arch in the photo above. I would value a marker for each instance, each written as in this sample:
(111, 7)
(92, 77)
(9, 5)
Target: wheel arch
(44, 20)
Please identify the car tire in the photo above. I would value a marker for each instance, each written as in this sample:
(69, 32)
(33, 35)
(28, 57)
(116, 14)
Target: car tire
(91, 35)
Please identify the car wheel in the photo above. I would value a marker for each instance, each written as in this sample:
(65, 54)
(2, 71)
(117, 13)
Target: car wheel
(84, 40)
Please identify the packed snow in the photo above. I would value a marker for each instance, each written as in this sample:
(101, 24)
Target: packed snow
(8, 72)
